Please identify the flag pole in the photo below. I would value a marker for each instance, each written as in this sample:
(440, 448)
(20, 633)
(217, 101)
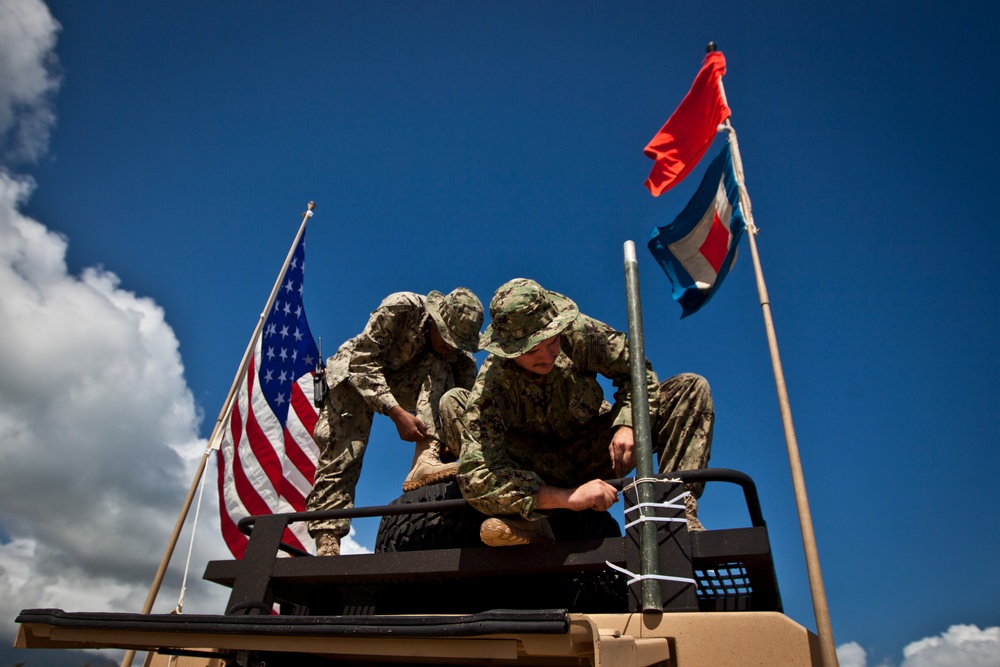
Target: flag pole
(227, 406)
(821, 610)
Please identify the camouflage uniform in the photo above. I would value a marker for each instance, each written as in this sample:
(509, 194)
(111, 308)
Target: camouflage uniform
(390, 363)
(517, 434)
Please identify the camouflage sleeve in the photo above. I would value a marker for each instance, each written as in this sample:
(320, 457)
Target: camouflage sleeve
(366, 370)
(487, 477)
(604, 350)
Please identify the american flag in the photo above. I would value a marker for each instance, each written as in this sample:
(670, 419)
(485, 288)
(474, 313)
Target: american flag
(267, 456)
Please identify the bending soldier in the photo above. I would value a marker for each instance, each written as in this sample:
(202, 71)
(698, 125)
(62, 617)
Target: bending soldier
(413, 350)
(537, 436)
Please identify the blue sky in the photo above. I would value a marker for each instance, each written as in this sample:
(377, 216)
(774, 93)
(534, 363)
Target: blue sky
(172, 148)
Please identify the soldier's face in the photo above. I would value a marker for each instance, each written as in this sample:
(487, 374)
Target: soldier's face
(540, 359)
(438, 343)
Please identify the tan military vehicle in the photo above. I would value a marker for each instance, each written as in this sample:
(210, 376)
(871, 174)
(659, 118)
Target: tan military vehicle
(432, 594)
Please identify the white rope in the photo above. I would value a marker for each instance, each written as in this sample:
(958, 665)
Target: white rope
(646, 480)
(641, 577)
(670, 504)
(194, 528)
(655, 519)
(740, 177)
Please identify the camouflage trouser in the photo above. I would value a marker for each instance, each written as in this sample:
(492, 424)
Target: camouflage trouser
(683, 424)
(681, 428)
(345, 422)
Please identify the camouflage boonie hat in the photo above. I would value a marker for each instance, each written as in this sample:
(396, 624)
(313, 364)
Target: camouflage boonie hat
(523, 315)
(458, 316)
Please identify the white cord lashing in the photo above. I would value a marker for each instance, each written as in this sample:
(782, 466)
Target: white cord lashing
(675, 503)
(640, 577)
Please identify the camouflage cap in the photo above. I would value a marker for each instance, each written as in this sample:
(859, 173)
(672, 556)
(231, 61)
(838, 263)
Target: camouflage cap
(458, 316)
(523, 315)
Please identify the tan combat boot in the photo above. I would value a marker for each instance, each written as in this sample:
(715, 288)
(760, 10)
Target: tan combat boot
(427, 467)
(691, 512)
(510, 531)
(327, 544)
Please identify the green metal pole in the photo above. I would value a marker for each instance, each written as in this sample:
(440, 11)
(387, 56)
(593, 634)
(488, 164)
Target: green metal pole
(649, 544)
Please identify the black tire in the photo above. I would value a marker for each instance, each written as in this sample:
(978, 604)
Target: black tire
(591, 592)
(429, 530)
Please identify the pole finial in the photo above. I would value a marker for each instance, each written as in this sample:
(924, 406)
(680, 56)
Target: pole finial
(311, 205)
(711, 47)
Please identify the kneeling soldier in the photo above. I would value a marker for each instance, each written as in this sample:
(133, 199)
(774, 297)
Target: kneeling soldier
(413, 350)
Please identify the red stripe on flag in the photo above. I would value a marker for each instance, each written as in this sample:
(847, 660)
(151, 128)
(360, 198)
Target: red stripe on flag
(249, 498)
(292, 540)
(304, 408)
(245, 490)
(262, 448)
(234, 539)
(305, 412)
(290, 493)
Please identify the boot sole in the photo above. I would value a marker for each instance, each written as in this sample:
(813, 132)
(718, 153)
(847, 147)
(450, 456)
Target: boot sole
(496, 533)
(433, 478)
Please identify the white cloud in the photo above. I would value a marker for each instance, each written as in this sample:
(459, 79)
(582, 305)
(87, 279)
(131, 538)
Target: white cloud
(29, 78)
(98, 429)
(964, 645)
(349, 546)
(852, 655)
(98, 434)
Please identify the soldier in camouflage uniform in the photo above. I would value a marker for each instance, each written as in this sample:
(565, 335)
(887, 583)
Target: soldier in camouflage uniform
(412, 351)
(535, 432)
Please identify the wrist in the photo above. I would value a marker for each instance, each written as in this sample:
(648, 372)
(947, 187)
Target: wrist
(551, 497)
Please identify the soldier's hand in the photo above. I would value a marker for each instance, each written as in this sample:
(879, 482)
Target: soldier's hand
(409, 427)
(594, 495)
(622, 450)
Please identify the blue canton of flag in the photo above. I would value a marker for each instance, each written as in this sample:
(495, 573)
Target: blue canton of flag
(288, 350)
(698, 248)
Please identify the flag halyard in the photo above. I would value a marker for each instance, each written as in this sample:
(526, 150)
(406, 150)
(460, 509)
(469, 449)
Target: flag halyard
(267, 456)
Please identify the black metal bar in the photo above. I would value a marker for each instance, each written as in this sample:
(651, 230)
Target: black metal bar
(743, 480)
(357, 584)
(545, 621)
(586, 556)
(246, 523)
(727, 475)
(253, 587)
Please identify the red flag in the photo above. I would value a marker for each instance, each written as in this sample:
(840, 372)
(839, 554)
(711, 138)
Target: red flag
(689, 132)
